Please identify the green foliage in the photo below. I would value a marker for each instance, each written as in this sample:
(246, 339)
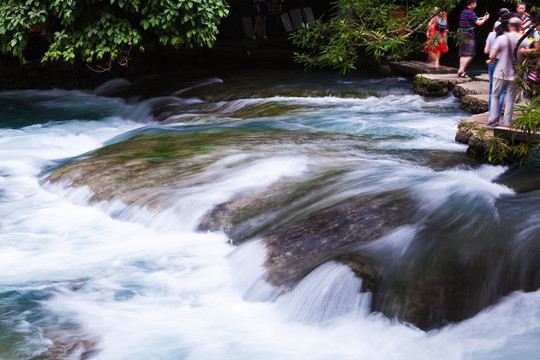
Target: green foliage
(497, 151)
(527, 116)
(381, 29)
(474, 128)
(97, 30)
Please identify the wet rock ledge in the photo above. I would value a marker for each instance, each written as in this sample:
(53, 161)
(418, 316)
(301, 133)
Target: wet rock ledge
(436, 84)
(473, 96)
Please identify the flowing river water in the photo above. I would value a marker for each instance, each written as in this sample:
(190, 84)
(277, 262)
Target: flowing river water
(109, 280)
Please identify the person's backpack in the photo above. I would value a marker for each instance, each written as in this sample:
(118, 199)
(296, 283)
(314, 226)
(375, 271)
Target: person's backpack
(440, 24)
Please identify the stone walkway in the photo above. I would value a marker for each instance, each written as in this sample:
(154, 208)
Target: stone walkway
(474, 97)
(472, 93)
(428, 81)
(413, 68)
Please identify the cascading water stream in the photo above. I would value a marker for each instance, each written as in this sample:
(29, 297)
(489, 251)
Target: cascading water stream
(137, 277)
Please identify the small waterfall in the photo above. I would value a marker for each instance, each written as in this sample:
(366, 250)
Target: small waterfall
(247, 262)
(330, 291)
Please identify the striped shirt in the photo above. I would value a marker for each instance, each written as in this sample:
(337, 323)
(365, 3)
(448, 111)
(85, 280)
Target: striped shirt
(467, 21)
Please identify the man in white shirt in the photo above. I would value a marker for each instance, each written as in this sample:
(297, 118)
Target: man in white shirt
(504, 74)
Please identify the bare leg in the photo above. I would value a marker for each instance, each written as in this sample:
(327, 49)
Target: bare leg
(437, 56)
(431, 58)
(263, 20)
(464, 61)
(256, 27)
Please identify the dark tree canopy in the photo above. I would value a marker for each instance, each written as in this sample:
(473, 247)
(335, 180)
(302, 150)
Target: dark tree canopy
(106, 30)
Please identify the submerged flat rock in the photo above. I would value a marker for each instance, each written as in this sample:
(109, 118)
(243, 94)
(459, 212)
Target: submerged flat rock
(143, 170)
(131, 169)
(134, 170)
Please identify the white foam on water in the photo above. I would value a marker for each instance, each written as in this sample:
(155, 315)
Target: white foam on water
(330, 291)
(394, 243)
(474, 186)
(153, 289)
(507, 330)
(247, 265)
(198, 312)
(429, 185)
(186, 206)
(397, 121)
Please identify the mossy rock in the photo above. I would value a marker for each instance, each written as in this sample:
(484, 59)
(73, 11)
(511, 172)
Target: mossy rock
(463, 136)
(129, 169)
(132, 170)
(475, 104)
(477, 148)
(436, 85)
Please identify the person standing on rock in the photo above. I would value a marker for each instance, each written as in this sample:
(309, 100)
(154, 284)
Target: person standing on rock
(467, 50)
(504, 74)
(261, 13)
(436, 38)
(488, 50)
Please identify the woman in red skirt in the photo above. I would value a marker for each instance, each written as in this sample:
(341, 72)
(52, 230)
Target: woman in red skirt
(436, 38)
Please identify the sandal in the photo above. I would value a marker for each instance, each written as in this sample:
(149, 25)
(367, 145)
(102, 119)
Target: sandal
(462, 75)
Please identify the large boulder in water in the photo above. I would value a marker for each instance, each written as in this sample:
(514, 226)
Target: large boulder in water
(334, 233)
(420, 267)
(299, 240)
(351, 232)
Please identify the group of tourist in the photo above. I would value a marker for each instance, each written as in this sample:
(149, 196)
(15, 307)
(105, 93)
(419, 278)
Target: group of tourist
(500, 45)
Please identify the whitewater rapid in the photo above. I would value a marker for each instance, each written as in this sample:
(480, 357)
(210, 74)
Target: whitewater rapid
(109, 281)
